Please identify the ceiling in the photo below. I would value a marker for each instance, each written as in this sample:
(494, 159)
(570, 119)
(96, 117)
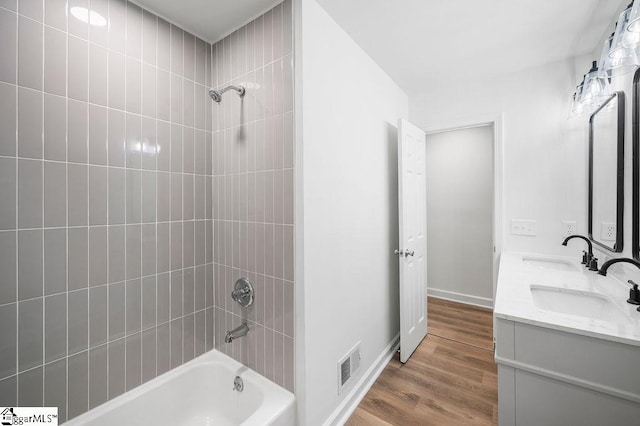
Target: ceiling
(420, 41)
(210, 20)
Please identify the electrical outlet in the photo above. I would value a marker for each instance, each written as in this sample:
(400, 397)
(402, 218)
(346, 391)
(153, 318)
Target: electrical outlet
(523, 227)
(608, 231)
(568, 228)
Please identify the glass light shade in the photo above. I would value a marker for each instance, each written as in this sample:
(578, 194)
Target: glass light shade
(634, 18)
(622, 57)
(596, 87)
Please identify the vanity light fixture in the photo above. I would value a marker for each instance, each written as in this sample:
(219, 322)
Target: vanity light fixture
(88, 16)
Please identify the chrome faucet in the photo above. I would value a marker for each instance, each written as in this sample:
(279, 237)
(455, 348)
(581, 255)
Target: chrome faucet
(588, 259)
(236, 332)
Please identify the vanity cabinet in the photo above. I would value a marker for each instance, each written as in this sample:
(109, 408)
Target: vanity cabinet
(553, 377)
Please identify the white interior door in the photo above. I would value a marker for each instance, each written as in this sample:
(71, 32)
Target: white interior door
(412, 253)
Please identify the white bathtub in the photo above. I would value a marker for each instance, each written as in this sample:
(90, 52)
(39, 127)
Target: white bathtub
(198, 393)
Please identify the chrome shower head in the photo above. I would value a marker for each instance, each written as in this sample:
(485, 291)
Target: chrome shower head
(216, 95)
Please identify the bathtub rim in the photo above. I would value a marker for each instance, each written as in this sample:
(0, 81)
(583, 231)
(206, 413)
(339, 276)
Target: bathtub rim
(276, 400)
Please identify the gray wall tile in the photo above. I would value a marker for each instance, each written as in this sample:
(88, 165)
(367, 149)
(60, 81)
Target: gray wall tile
(163, 298)
(8, 319)
(134, 31)
(164, 44)
(148, 302)
(176, 294)
(30, 35)
(8, 38)
(163, 248)
(78, 193)
(149, 91)
(133, 306)
(78, 384)
(148, 140)
(98, 177)
(163, 195)
(55, 261)
(9, 391)
(97, 255)
(98, 75)
(117, 195)
(117, 138)
(30, 264)
(148, 264)
(29, 123)
(98, 316)
(134, 86)
(55, 194)
(98, 377)
(176, 343)
(77, 132)
(148, 355)
(117, 25)
(163, 146)
(176, 245)
(55, 329)
(134, 255)
(55, 128)
(29, 334)
(78, 326)
(55, 61)
(8, 193)
(188, 290)
(78, 69)
(117, 296)
(149, 37)
(148, 192)
(30, 390)
(100, 34)
(116, 368)
(117, 86)
(134, 186)
(7, 118)
(98, 126)
(163, 348)
(7, 267)
(78, 27)
(133, 361)
(78, 258)
(55, 13)
(55, 387)
(116, 254)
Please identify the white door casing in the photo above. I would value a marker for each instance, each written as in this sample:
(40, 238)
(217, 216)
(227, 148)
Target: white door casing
(412, 253)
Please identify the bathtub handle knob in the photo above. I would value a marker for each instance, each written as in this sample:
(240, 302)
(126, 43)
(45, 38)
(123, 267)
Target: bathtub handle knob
(238, 384)
(243, 292)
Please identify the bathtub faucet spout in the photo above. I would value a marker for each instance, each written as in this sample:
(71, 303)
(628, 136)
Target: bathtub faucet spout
(236, 332)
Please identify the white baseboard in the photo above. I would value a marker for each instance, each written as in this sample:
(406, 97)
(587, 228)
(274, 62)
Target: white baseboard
(460, 297)
(342, 413)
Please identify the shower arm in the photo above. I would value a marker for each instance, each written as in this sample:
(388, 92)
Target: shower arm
(238, 89)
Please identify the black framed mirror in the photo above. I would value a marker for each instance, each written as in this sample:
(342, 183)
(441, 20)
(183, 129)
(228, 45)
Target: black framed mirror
(606, 174)
(635, 142)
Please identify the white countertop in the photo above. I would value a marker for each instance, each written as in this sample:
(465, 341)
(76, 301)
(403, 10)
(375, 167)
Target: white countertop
(514, 301)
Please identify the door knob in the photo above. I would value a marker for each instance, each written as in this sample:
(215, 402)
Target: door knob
(398, 252)
(408, 253)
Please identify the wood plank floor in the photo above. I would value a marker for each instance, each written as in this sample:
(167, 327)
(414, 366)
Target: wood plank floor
(451, 379)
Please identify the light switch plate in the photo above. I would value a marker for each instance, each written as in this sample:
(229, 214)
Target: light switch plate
(523, 227)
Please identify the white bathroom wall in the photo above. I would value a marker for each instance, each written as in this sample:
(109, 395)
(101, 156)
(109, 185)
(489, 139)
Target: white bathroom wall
(545, 152)
(348, 228)
(460, 215)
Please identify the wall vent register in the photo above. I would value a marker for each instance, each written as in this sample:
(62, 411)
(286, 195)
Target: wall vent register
(348, 367)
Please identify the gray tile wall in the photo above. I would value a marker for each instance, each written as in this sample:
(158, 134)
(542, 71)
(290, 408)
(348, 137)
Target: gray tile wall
(106, 230)
(253, 165)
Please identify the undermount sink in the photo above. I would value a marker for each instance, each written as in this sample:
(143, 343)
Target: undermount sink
(576, 302)
(549, 263)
